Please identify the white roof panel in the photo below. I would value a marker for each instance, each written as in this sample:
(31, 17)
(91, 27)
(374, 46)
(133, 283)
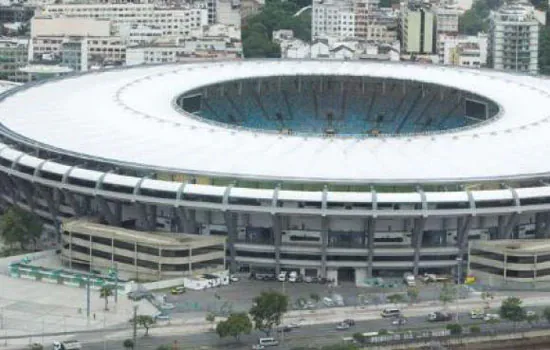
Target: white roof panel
(120, 180)
(349, 197)
(410, 197)
(533, 192)
(252, 193)
(446, 197)
(205, 190)
(492, 195)
(10, 154)
(85, 174)
(30, 161)
(132, 120)
(300, 196)
(160, 185)
(55, 168)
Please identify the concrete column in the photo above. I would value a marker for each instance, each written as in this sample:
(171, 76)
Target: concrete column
(505, 268)
(153, 217)
(231, 223)
(324, 245)
(501, 227)
(371, 227)
(90, 252)
(276, 220)
(190, 262)
(136, 259)
(535, 268)
(160, 263)
(70, 249)
(418, 233)
(539, 225)
(118, 212)
(112, 251)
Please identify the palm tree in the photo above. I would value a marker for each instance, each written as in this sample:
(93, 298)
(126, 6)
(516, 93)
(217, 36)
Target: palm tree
(106, 292)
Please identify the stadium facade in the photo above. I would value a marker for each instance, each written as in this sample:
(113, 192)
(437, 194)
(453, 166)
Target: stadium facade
(262, 152)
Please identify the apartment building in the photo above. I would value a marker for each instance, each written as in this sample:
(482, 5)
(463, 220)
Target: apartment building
(172, 21)
(228, 12)
(100, 50)
(418, 28)
(447, 20)
(514, 39)
(363, 10)
(184, 50)
(332, 18)
(13, 56)
(463, 50)
(251, 7)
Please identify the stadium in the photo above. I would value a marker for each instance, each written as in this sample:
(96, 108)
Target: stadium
(339, 169)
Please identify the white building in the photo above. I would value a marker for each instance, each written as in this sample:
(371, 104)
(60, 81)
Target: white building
(513, 39)
(332, 18)
(184, 50)
(69, 26)
(463, 50)
(447, 20)
(138, 34)
(172, 21)
(228, 12)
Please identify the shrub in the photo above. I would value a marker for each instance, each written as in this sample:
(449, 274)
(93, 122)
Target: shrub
(454, 328)
(359, 337)
(475, 329)
(383, 332)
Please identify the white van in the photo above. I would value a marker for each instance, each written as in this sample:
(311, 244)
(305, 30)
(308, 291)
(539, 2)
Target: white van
(268, 342)
(390, 313)
(293, 276)
(282, 276)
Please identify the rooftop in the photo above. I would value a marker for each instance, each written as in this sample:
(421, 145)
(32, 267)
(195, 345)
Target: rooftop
(148, 131)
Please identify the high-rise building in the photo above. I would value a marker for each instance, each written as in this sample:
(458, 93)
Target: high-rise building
(332, 18)
(447, 20)
(418, 30)
(514, 38)
(13, 56)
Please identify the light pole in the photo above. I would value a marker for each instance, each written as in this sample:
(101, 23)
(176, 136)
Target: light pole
(135, 327)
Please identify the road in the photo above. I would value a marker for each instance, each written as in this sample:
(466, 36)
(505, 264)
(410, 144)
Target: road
(314, 335)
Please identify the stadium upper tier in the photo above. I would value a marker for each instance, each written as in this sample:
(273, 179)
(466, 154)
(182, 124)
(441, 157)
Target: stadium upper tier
(130, 118)
(337, 105)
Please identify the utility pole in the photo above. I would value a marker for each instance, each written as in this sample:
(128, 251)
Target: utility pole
(88, 298)
(135, 327)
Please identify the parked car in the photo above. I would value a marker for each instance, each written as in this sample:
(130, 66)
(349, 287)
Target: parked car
(530, 313)
(178, 290)
(308, 279)
(399, 321)
(268, 342)
(138, 295)
(349, 321)
(234, 278)
(258, 347)
(439, 316)
(161, 317)
(491, 317)
(284, 329)
(167, 306)
(477, 314)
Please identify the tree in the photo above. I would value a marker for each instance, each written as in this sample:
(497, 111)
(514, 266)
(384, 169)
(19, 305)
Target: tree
(315, 297)
(359, 337)
(532, 318)
(128, 344)
(210, 318)
(546, 313)
(383, 332)
(145, 321)
(268, 309)
(19, 226)
(235, 325)
(412, 293)
(105, 292)
(512, 310)
(396, 298)
(447, 294)
(455, 328)
(164, 347)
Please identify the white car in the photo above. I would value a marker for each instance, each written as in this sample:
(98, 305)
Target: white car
(234, 278)
(491, 317)
(258, 347)
(167, 306)
(530, 313)
(342, 326)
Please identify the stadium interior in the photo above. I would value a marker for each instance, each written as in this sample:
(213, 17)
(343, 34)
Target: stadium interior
(338, 105)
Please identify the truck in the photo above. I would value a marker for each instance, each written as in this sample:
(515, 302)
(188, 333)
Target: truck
(67, 345)
(439, 316)
(409, 279)
(430, 277)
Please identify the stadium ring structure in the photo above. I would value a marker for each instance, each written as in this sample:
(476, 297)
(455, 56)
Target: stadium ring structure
(261, 151)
